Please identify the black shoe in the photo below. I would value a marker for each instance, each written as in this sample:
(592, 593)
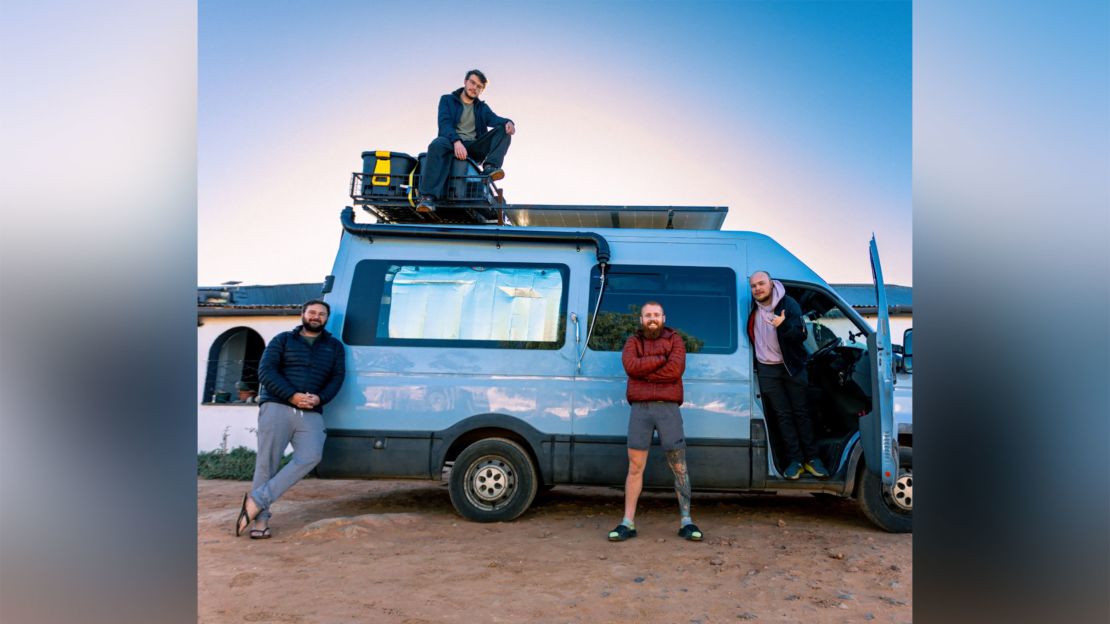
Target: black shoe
(690, 532)
(621, 533)
(494, 173)
(793, 471)
(426, 203)
(816, 468)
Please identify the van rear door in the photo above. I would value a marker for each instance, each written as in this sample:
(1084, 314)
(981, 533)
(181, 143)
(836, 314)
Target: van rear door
(877, 428)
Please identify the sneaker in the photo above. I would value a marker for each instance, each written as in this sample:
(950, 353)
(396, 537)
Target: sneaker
(793, 471)
(426, 203)
(816, 468)
(494, 173)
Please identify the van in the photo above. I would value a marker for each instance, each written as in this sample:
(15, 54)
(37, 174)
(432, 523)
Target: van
(489, 356)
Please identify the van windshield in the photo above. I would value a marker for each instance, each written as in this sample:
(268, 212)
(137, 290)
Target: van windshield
(826, 324)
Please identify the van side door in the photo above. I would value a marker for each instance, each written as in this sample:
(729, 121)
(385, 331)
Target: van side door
(700, 301)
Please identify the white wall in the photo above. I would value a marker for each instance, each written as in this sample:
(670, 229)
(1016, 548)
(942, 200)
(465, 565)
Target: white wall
(238, 420)
(899, 323)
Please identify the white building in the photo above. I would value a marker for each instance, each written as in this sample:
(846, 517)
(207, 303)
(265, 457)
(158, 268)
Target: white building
(234, 325)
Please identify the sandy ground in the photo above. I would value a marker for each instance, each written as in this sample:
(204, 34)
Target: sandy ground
(396, 551)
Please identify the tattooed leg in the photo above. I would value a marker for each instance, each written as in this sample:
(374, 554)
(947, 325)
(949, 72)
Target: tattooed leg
(677, 461)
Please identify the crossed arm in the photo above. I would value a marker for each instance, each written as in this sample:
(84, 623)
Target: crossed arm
(668, 367)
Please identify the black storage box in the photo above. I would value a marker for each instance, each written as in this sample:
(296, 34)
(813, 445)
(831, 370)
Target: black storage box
(465, 182)
(384, 173)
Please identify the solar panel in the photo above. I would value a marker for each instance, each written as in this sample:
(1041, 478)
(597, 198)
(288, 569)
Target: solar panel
(650, 217)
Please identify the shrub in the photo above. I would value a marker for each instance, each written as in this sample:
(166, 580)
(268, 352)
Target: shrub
(236, 464)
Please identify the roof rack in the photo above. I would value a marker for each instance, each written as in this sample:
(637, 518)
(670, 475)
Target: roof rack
(390, 195)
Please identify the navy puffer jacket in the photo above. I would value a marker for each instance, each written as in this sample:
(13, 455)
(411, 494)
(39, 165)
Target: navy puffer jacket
(290, 365)
(450, 111)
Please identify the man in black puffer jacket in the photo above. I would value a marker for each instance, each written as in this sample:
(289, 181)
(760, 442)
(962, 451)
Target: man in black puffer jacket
(301, 370)
(777, 332)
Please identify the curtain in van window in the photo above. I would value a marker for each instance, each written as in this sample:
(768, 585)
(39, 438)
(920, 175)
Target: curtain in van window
(475, 303)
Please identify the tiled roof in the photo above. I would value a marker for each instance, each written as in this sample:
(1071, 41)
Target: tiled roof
(899, 298)
(259, 297)
(262, 298)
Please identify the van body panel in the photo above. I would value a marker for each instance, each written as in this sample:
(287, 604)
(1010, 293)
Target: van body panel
(406, 410)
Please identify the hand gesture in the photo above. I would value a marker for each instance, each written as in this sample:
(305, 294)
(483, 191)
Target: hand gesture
(460, 150)
(778, 319)
(510, 128)
(303, 400)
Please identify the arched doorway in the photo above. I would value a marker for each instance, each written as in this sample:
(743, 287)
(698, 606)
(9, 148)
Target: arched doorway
(232, 358)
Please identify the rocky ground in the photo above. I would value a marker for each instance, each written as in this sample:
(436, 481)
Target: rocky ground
(396, 551)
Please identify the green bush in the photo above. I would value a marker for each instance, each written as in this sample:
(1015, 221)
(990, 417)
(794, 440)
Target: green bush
(236, 464)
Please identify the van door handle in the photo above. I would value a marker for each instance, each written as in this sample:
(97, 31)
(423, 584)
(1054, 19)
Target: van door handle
(574, 318)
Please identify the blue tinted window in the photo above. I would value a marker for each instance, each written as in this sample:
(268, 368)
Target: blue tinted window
(451, 305)
(699, 302)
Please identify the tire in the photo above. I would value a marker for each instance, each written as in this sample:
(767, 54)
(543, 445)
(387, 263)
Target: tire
(493, 480)
(878, 508)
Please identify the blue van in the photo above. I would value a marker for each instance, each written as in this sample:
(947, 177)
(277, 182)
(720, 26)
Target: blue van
(489, 355)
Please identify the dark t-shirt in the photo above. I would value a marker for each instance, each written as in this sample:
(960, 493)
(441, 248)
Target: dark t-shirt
(466, 129)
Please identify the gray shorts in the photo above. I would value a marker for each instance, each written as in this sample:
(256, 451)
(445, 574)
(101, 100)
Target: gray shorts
(655, 415)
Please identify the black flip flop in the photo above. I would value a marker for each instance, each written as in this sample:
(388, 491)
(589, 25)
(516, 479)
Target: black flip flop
(260, 533)
(690, 532)
(621, 533)
(239, 525)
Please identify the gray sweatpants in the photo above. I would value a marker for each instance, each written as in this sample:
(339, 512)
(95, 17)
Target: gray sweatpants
(278, 425)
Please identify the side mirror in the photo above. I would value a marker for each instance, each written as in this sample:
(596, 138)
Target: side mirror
(907, 350)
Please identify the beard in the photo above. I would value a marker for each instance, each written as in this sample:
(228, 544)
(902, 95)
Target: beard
(650, 332)
(312, 326)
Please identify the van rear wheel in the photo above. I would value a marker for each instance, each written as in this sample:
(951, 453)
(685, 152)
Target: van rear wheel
(493, 480)
(887, 513)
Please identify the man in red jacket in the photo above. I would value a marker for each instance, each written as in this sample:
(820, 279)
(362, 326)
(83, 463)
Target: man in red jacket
(655, 358)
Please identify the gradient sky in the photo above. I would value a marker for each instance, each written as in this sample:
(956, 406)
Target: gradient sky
(795, 115)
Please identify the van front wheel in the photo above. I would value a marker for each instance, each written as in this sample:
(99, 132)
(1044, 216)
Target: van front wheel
(492, 480)
(880, 508)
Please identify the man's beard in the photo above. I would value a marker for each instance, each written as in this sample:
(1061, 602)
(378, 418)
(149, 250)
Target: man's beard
(312, 326)
(651, 333)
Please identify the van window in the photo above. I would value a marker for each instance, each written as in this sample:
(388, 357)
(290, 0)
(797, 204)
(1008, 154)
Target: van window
(700, 303)
(495, 306)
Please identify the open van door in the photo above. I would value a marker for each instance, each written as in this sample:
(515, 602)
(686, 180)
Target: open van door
(877, 428)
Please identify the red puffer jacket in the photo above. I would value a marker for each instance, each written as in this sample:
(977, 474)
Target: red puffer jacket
(654, 366)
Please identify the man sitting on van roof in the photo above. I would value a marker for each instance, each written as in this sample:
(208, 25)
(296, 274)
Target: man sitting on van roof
(655, 358)
(464, 132)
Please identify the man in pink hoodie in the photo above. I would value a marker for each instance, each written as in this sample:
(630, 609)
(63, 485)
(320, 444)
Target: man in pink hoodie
(777, 332)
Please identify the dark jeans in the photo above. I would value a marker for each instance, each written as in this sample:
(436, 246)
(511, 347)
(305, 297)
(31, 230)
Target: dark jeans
(786, 396)
(489, 147)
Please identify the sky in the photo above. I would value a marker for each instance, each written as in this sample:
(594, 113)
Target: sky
(795, 115)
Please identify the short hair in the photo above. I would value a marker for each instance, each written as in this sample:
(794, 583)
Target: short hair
(768, 274)
(654, 303)
(478, 73)
(310, 302)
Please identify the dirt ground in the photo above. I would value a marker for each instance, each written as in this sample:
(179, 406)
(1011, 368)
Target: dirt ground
(396, 551)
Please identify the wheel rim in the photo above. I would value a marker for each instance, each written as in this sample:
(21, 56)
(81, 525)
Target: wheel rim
(490, 481)
(902, 492)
